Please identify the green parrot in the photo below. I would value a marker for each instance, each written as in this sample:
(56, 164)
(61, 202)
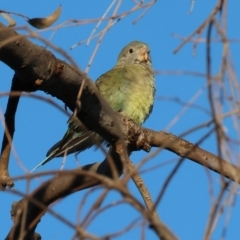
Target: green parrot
(129, 88)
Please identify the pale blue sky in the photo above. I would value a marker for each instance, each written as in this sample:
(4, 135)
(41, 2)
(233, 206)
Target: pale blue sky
(187, 201)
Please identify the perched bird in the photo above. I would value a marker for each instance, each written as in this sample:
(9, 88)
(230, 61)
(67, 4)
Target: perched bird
(129, 88)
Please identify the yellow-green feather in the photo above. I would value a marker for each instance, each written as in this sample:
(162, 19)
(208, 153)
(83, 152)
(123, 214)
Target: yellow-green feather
(129, 89)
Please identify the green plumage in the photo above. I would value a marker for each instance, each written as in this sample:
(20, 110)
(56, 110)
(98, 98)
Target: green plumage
(129, 88)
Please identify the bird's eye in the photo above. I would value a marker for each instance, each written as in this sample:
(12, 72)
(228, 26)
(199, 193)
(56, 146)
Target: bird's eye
(130, 50)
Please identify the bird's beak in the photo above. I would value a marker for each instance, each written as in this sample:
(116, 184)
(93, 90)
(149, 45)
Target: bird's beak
(144, 55)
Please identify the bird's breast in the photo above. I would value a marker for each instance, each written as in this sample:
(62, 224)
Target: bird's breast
(129, 89)
(141, 92)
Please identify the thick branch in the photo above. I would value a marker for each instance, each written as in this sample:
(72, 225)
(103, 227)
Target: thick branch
(38, 69)
(8, 134)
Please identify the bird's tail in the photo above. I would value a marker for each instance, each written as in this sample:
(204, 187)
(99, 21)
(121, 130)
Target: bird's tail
(70, 145)
(47, 159)
(75, 140)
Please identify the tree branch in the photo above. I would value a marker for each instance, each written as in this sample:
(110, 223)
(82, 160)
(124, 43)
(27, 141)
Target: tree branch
(28, 212)
(9, 129)
(192, 152)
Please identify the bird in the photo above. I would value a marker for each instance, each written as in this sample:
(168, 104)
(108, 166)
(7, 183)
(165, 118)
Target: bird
(129, 88)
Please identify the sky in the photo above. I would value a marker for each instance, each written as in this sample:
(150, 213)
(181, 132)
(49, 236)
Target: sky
(188, 199)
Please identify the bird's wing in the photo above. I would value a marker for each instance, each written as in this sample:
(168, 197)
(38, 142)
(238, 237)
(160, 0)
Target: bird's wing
(113, 86)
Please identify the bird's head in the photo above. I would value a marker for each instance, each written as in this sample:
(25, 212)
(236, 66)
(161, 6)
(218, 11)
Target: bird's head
(135, 52)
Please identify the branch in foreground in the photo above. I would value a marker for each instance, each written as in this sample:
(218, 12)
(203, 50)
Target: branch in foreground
(30, 209)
